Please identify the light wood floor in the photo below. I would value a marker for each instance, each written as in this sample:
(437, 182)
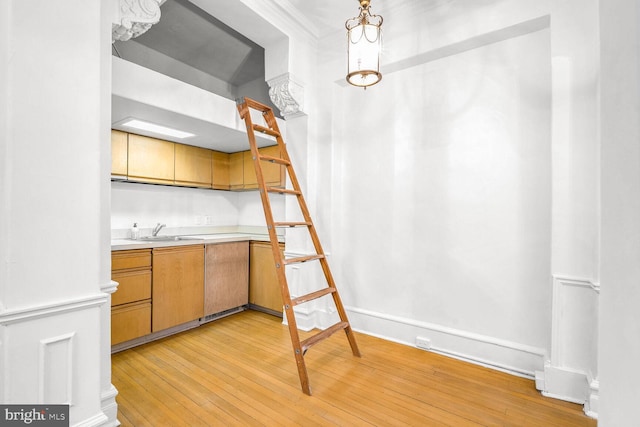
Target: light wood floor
(240, 371)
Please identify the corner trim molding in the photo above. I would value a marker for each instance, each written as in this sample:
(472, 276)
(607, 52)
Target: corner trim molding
(560, 281)
(135, 17)
(110, 407)
(288, 95)
(564, 378)
(577, 282)
(47, 310)
(593, 397)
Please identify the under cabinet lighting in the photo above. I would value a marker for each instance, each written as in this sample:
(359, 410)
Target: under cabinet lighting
(151, 127)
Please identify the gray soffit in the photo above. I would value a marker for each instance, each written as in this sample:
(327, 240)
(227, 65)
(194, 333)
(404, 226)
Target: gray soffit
(194, 38)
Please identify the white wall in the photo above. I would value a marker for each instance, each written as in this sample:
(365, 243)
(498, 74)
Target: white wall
(174, 206)
(182, 208)
(463, 207)
(442, 211)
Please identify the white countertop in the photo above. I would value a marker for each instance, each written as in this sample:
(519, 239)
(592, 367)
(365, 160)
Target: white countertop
(194, 239)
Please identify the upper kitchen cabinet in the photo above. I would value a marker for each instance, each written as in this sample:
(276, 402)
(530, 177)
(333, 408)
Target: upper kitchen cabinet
(273, 173)
(151, 160)
(119, 148)
(236, 171)
(192, 166)
(219, 170)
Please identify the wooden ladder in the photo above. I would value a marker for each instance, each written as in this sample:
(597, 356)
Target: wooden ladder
(245, 105)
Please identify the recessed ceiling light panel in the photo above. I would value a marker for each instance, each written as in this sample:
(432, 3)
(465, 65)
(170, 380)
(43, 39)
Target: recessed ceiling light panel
(152, 127)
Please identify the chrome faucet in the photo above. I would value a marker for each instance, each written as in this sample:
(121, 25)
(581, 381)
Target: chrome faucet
(157, 229)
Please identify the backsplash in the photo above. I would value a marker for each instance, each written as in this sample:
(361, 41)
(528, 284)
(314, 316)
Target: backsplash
(186, 210)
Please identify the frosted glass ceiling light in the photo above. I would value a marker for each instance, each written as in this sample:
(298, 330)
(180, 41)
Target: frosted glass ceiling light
(364, 42)
(152, 127)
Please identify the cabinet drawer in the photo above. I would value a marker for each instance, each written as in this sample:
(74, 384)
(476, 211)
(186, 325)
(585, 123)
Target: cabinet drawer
(133, 286)
(130, 321)
(136, 258)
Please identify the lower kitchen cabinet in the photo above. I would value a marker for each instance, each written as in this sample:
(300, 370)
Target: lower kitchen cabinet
(226, 276)
(131, 303)
(166, 287)
(178, 285)
(264, 287)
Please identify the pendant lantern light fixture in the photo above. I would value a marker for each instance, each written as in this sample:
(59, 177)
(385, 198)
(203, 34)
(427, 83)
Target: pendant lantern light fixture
(364, 43)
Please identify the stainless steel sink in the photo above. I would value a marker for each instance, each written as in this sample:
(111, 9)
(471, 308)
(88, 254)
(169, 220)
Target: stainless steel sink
(168, 238)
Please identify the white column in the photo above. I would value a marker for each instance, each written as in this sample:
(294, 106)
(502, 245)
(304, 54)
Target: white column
(54, 229)
(571, 371)
(619, 349)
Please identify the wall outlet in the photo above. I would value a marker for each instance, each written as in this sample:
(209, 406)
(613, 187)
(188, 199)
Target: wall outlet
(208, 220)
(423, 343)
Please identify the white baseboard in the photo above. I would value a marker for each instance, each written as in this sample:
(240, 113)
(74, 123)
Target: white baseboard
(511, 357)
(571, 386)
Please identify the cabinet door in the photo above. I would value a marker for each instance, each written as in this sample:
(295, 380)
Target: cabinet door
(193, 166)
(151, 160)
(119, 147)
(273, 172)
(219, 170)
(236, 170)
(264, 288)
(178, 285)
(226, 276)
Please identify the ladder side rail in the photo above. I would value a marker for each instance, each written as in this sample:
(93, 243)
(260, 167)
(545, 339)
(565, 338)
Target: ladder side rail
(275, 247)
(298, 346)
(272, 123)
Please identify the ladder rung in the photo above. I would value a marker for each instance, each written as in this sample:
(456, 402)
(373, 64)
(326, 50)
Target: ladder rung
(252, 103)
(313, 295)
(302, 259)
(266, 130)
(275, 160)
(282, 191)
(292, 224)
(306, 344)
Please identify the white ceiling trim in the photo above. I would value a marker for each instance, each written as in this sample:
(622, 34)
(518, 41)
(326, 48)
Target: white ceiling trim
(285, 17)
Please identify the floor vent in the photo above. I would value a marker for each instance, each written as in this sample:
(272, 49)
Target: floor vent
(220, 315)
